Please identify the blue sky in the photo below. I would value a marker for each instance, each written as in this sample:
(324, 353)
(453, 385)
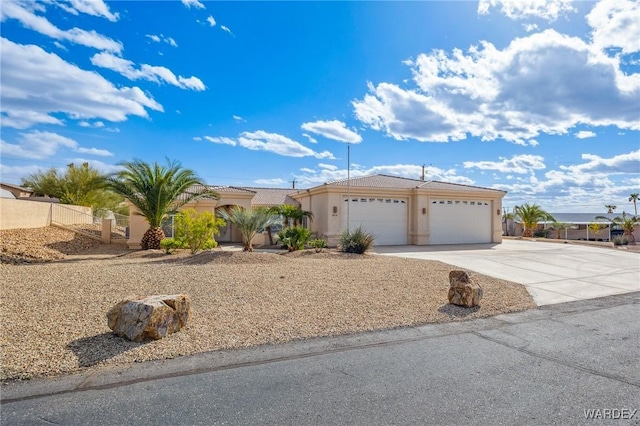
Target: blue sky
(541, 99)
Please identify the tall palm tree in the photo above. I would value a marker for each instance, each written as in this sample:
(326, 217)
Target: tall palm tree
(157, 191)
(249, 222)
(530, 215)
(559, 227)
(634, 198)
(626, 222)
(610, 207)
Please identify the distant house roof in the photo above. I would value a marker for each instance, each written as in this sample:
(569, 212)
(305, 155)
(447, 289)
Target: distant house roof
(16, 187)
(396, 182)
(582, 218)
(218, 189)
(273, 196)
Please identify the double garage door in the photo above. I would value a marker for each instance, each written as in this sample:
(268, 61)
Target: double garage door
(460, 221)
(385, 218)
(450, 221)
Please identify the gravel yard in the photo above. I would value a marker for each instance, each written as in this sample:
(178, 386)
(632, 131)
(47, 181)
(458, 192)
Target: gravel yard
(53, 314)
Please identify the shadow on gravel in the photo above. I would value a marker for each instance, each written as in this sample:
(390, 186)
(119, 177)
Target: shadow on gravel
(95, 349)
(455, 311)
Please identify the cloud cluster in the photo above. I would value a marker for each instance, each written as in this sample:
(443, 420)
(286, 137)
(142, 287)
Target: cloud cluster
(270, 142)
(162, 38)
(333, 129)
(519, 164)
(616, 24)
(146, 72)
(505, 94)
(26, 16)
(40, 145)
(35, 85)
(193, 3)
(549, 10)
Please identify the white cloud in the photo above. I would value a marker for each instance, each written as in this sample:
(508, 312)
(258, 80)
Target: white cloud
(520, 164)
(146, 72)
(211, 20)
(238, 118)
(270, 182)
(310, 138)
(193, 3)
(328, 172)
(584, 134)
(278, 144)
(197, 138)
(616, 24)
(549, 10)
(221, 140)
(94, 125)
(530, 27)
(333, 129)
(40, 145)
(224, 28)
(102, 167)
(29, 19)
(506, 94)
(162, 38)
(36, 84)
(94, 8)
(14, 174)
(95, 151)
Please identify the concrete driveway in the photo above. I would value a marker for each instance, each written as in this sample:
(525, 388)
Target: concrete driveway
(551, 272)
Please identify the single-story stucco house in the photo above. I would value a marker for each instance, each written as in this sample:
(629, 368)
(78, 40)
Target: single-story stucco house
(396, 210)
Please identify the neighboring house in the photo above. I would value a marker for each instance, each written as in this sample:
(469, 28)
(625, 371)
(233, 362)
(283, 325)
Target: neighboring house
(17, 191)
(578, 227)
(396, 210)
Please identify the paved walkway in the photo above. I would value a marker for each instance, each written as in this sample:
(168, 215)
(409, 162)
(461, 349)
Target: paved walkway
(552, 272)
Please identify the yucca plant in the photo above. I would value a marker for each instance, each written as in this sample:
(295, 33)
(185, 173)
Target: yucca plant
(157, 191)
(356, 241)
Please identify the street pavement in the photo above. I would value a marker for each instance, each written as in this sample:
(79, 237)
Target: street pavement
(556, 364)
(551, 272)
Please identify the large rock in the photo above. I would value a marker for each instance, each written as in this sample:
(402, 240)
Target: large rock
(149, 317)
(463, 290)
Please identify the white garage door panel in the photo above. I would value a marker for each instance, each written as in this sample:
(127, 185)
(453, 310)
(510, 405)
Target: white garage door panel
(385, 218)
(460, 222)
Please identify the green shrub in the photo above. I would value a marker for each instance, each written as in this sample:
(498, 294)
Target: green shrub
(195, 230)
(294, 238)
(358, 241)
(620, 241)
(318, 244)
(541, 233)
(169, 245)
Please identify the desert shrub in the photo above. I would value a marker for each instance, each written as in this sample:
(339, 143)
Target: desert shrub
(358, 241)
(620, 241)
(195, 230)
(169, 245)
(318, 244)
(294, 238)
(541, 233)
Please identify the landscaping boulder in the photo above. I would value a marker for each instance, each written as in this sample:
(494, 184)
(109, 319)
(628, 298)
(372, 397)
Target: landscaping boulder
(463, 290)
(149, 317)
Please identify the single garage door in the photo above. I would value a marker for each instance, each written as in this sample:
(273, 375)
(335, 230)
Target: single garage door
(385, 218)
(460, 221)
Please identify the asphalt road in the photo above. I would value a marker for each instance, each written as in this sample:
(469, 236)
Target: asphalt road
(544, 366)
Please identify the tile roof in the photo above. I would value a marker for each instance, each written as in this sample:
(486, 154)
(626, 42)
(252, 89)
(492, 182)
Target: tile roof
(218, 189)
(396, 182)
(21, 188)
(273, 196)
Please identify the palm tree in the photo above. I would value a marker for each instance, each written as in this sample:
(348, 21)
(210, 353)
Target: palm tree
(627, 224)
(506, 217)
(157, 191)
(634, 198)
(249, 222)
(559, 226)
(292, 215)
(530, 215)
(610, 208)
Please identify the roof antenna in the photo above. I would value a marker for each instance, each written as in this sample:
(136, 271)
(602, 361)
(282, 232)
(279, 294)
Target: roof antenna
(422, 176)
(293, 184)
